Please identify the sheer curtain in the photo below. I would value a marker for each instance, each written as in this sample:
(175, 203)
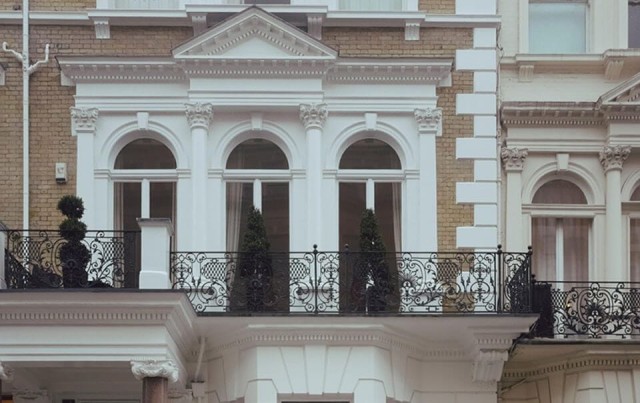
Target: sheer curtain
(544, 248)
(397, 216)
(234, 215)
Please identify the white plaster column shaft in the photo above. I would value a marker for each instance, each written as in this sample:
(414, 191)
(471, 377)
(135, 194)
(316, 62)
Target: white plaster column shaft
(199, 117)
(513, 160)
(313, 117)
(612, 159)
(83, 123)
(156, 244)
(429, 121)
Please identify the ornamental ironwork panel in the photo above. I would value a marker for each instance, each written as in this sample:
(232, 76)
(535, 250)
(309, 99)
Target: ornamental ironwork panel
(32, 259)
(589, 310)
(345, 282)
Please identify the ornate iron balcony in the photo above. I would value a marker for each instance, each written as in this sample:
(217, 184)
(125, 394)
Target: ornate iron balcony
(32, 259)
(586, 310)
(318, 282)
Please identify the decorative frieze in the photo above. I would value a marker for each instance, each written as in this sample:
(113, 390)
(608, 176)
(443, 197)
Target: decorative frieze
(155, 369)
(199, 115)
(84, 119)
(613, 157)
(429, 120)
(313, 115)
(513, 158)
(6, 373)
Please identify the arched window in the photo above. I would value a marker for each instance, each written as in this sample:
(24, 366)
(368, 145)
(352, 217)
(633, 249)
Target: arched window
(560, 240)
(370, 177)
(257, 173)
(144, 183)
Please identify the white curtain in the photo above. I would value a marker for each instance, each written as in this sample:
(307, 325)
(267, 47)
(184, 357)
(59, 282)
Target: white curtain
(397, 216)
(544, 248)
(568, 236)
(234, 215)
(576, 248)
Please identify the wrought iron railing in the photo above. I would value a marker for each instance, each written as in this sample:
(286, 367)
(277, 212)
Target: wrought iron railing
(587, 310)
(32, 259)
(318, 282)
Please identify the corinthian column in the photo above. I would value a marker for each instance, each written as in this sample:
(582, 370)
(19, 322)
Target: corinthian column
(155, 377)
(313, 117)
(612, 158)
(429, 122)
(513, 160)
(83, 124)
(199, 117)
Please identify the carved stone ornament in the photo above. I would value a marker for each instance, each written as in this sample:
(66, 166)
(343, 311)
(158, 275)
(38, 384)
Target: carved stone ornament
(429, 119)
(155, 369)
(313, 115)
(84, 119)
(612, 157)
(6, 373)
(199, 115)
(488, 364)
(513, 158)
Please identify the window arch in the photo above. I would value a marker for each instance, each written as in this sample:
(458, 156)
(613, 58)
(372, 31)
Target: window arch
(257, 175)
(145, 153)
(560, 237)
(370, 177)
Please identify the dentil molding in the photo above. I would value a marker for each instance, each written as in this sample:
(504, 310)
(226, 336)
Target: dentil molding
(613, 157)
(429, 120)
(313, 115)
(199, 115)
(155, 369)
(83, 119)
(513, 158)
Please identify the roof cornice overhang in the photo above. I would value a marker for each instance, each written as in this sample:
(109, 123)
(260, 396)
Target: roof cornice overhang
(566, 114)
(116, 69)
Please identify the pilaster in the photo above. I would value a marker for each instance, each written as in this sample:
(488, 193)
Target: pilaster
(199, 117)
(83, 124)
(513, 159)
(313, 118)
(155, 262)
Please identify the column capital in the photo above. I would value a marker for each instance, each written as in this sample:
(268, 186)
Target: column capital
(155, 369)
(429, 120)
(199, 115)
(83, 120)
(613, 157)
(6, 373)
(313, 115)
(513, 158)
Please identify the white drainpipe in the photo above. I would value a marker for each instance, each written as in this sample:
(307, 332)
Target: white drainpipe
(27, 70)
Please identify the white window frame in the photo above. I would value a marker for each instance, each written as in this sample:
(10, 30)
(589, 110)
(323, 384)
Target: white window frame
(524, 23)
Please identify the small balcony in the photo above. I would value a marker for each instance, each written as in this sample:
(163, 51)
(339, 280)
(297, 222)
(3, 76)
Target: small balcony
(586, 310)
(311, 283)
(332, 5)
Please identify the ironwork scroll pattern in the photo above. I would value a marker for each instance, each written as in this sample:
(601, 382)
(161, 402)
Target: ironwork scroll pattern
(33, 260)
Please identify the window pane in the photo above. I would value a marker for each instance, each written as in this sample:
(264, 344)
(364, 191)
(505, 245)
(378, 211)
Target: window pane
(127, 205)
(162, 200)
(634, 248)
(370, 154)
(388, 212)
(257, 154)
(557, 28)
(145, 154)
(544, 248)
(634, 25)
(352, 204)
(275, 210)
(559, 192)
(635, 196)
(576, 248)
(239, 201)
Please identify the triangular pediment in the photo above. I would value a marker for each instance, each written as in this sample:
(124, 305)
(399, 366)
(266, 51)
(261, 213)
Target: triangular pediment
(254, 34)
(626, 93)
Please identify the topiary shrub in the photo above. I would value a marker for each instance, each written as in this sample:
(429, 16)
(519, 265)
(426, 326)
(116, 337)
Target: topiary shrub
(74, 256)
(251, 288)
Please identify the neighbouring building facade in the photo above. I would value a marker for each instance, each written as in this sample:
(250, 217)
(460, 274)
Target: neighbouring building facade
(463, 124)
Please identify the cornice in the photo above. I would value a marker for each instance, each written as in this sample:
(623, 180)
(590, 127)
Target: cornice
(402, 70)
(517, 114)
(263, 68)
(587, 362)
(113, 69)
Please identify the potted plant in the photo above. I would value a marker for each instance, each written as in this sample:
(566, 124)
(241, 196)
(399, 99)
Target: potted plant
(74, 256)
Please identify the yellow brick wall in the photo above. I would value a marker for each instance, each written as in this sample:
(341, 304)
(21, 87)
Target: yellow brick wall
(438, 6)
(51, 139)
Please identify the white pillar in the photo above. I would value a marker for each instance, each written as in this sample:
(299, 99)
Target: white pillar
(83, 122)
(156, 241)
(513, 160)
(370, 195)
(199, 117)
(145, 199)
(313, 117)
(369, 391)
(429, 126)
(612, 158)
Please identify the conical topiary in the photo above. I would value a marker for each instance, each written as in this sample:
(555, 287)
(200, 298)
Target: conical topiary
(254, 267)
(74, 256)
